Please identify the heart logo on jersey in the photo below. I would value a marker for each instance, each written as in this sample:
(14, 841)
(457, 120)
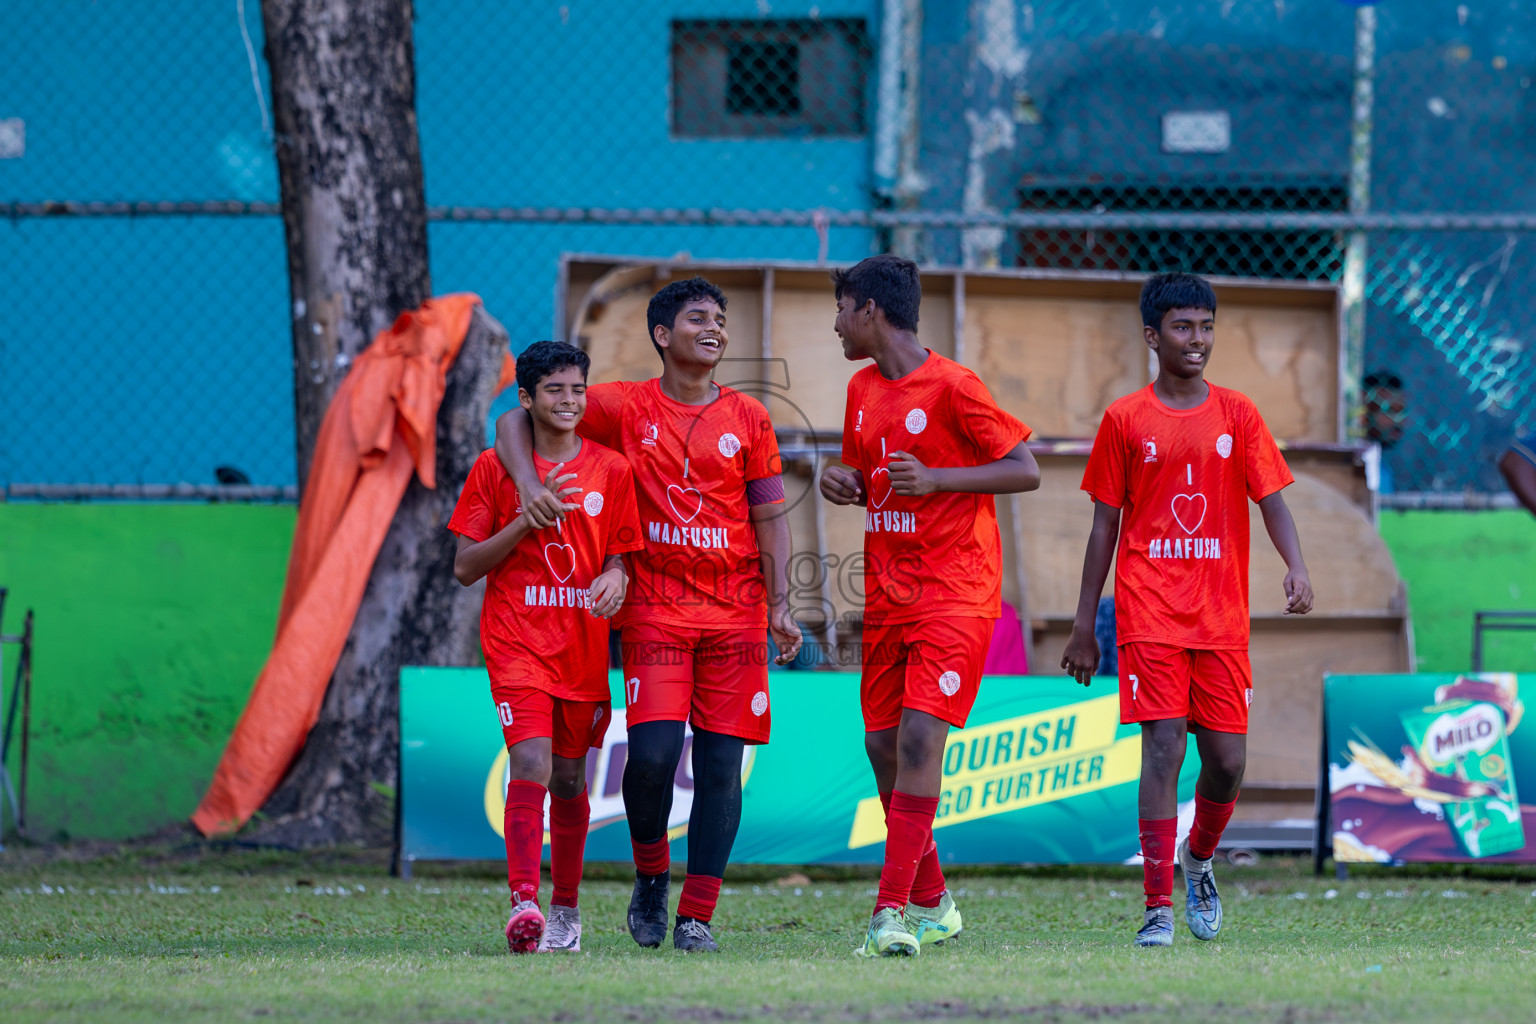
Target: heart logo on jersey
(568, 560)
(1189, 512)
(682, 496)
(877, 496)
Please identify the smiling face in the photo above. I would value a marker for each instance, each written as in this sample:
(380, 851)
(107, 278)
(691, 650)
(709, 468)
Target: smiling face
(558, 401)
(852, 326)
(697, 338)
(1183, 344)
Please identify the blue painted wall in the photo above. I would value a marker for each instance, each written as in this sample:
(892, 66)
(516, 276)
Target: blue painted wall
(155, 350)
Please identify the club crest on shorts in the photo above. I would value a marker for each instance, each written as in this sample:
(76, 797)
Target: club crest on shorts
(730, 444)
(759, 703)
(949, 682)
(1224, 445)
(917, 421)
(593, 502)
(1248, 695)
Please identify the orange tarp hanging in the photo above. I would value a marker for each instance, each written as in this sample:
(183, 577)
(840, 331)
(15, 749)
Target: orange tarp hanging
(380, 427)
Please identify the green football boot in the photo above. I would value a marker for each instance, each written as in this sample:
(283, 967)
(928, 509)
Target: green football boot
(888, 936)
(934, 925)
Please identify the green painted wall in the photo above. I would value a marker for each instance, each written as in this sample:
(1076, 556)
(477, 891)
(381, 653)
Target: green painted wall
(152, 622)
(1457, 563)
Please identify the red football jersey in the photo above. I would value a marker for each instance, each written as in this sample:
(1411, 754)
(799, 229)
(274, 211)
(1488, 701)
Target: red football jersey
(1183, 479)
(939, 554)
(538, 600)
(692, 464)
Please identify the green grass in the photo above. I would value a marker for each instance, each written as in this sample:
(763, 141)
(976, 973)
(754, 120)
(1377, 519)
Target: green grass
(239, 935)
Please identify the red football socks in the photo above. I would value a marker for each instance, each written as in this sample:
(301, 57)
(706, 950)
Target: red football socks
(654, 858)
(523, 823)
(908, 834)
(567, 845)
(700, 894)
(1159, 840)
(928, 886)
(1210, 822)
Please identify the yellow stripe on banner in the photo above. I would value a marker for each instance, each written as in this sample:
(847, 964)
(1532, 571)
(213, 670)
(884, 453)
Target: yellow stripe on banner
(1022, 762)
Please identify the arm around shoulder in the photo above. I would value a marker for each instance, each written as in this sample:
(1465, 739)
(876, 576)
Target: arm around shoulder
(514, 447)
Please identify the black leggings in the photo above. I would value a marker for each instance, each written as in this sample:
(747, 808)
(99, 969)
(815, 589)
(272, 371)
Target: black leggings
(655, 748)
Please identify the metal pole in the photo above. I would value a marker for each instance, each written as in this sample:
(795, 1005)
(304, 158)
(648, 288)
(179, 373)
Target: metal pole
(1356, 253)
(888, 99)
(908, 241)
(26, 720)
(1477, 642)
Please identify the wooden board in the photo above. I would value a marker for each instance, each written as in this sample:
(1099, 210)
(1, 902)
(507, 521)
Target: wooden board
(1286, 360)
(1352, 569)
(1056, 364)
(1055, 349)
(1289, 657)
(609, 323)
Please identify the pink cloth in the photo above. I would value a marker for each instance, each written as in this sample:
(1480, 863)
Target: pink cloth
(1008, 655)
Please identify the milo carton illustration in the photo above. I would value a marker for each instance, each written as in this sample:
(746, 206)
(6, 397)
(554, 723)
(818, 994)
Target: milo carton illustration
(1462, 749)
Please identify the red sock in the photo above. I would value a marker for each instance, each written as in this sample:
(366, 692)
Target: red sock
(1159, 841)
(909, 830)
(567, 845)
(524, 825)
(700, 894)
(1210, 821)
(928, 886)
(652, 858)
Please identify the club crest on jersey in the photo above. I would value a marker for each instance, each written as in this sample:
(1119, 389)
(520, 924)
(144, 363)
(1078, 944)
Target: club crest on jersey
(1149, 449)
(593, 502)
(917, 421)
(1224, 446)
(730, 444)
(652, 432)
(858, 426)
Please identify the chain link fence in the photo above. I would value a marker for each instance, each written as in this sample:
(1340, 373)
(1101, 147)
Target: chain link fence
(1384, 148)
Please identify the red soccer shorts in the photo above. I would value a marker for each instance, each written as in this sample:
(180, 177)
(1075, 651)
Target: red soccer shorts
(715, 678)
(1209, 688)
(933, 666)
(573, 726)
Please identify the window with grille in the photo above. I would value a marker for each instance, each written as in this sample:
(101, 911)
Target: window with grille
(1310, 255)
(769, 77)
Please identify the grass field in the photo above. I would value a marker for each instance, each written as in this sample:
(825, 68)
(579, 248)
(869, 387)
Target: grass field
(166, 936)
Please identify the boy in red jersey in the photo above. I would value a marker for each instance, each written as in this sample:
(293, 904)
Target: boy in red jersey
(927, 448)
(712, 575)
(1182, 458)
(541, 627)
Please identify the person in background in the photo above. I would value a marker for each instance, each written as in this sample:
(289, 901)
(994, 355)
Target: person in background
(1518, 467)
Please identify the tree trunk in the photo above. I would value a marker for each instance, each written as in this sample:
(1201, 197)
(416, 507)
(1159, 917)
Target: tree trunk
(342, 787)
(354, 213)
(349, 165)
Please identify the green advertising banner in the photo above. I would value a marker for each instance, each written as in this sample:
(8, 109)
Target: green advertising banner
(1045, 773)
(1429, 768)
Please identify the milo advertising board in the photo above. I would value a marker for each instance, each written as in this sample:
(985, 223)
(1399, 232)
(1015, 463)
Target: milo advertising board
(1430, 768)
(1043, 774)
